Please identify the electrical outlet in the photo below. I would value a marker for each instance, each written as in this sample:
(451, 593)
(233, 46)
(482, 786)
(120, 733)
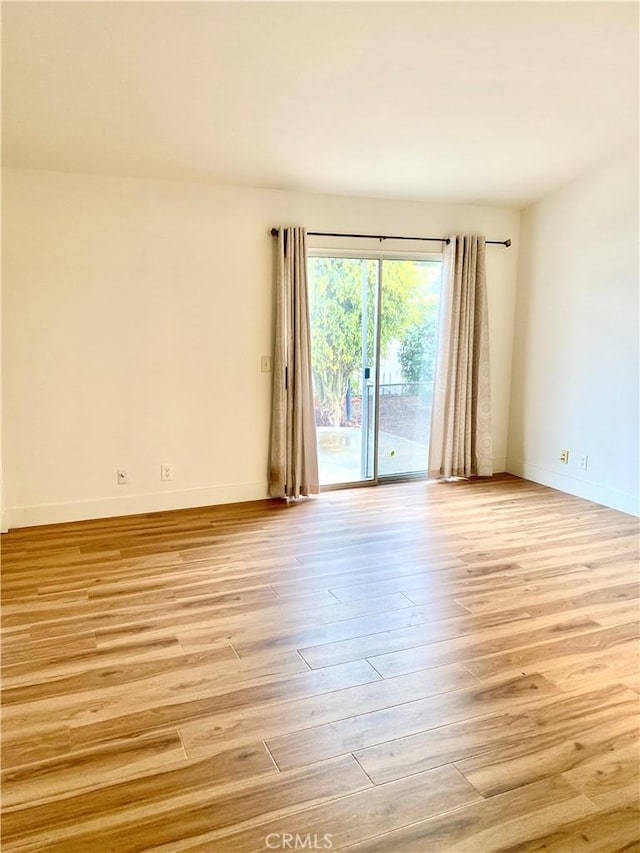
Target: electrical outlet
(166, 473)
(584, 462)
(564, 457)
(266, 364)
(123, 477)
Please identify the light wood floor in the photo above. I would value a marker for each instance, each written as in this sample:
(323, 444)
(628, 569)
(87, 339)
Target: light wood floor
(430, 668)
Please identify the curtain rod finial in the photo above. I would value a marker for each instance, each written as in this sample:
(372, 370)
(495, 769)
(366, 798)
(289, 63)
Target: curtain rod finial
(274, 232)
(507, 243)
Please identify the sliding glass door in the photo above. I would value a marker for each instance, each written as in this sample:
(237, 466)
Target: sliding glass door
(408, 340)
(343, 296)
(374, 323)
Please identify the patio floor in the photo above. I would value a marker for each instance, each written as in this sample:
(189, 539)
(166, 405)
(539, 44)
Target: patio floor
(339, 450)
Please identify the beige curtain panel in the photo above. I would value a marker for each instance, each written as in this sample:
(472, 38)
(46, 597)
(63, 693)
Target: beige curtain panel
(294, 457)
(460, 439)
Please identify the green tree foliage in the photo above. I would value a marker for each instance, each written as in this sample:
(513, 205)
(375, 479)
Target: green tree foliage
(336, 307)
(417, 354)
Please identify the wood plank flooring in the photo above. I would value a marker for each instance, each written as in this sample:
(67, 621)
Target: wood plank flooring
(436, 668)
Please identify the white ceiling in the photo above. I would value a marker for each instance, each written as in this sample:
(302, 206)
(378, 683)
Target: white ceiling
(474, 102)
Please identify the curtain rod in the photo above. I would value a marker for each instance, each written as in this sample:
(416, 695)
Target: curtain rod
(275, 231)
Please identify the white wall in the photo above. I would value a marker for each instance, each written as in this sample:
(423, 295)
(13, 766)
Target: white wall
(3, 517)
(575, 369)
(135, 315)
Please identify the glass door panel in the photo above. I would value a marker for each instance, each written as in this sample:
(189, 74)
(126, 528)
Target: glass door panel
(343, 307)
(408, 342)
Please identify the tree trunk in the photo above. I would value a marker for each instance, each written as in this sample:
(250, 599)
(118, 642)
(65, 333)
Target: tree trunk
(331, 387)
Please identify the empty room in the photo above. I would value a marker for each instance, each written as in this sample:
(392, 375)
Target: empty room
(320, 427)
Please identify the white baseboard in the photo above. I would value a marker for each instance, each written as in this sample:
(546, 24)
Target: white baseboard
(596, 492)
(31, 516)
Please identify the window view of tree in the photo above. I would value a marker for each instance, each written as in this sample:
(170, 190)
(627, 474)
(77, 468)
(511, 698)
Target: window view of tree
(338, 288)
(417, 354)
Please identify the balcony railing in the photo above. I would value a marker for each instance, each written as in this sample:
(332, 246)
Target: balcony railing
(406, 389)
